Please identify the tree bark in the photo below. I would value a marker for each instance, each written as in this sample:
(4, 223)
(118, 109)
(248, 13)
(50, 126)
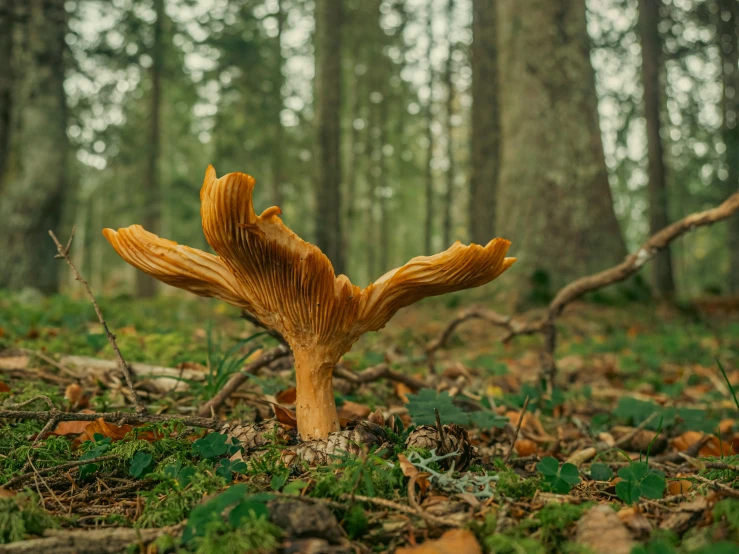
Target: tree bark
(277, 149)
(146, 286)
(485, 147)
(428, 228)
(554, 198)
(450, 171)
(728, 33)
(6, 81)
(328, 144)
(651, 46)
(33, 196)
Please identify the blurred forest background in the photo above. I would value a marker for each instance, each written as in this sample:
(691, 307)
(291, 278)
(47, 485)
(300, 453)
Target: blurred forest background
(385, 129)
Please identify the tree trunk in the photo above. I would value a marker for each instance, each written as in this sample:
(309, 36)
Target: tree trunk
(449, 85)
(328, 145)
(277, 149)
(651, 47)
(554, 199)
(429, 192)
(33, 196)
(728, 32)
(485, 147)
(6, 81)
(146, 286)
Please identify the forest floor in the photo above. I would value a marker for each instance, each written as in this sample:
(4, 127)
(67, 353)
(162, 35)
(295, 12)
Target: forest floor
(636, 448)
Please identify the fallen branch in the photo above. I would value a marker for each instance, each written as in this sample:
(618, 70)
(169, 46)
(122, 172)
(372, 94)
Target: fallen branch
(238, 379)
(374, 373)
(64, 255)
(60, 467)
(631, 264)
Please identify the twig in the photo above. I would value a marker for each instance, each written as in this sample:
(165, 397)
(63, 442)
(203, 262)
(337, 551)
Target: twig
(631, 434)
(51, 361)
(375, 373)
(518, 430)
(631, 264)
(727, 490)
(64, 255)
(60, 467)
(239, 378)
(405, 509)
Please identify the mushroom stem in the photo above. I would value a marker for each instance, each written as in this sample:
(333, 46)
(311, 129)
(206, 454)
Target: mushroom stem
(315, 405)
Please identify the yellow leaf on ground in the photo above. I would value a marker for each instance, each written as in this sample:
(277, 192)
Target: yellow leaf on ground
(456, 541)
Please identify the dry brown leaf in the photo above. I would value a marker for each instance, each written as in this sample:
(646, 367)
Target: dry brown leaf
(525, 447)
(377, 418)
(76, 396)
(285, 416)
(456, 541)
(111, 430)
(14, 362)
(714, 447)
(531, 425)
(401, 391)
(726, 426)
(4, 387)
(287, 396)
(408, 469)
(678, 486)
(64, 428)
(601, 530)
(581, 456)
(354, 410)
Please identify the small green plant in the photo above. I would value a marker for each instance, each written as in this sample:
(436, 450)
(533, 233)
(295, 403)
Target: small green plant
(20, 516)
(421, 408)
(559, 479)
(96, 448)
(139, 463)
(638, 480)
(226, 468)
(214, 445)
(600, 472)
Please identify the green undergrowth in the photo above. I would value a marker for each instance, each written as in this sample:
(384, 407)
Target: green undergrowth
(21, 515)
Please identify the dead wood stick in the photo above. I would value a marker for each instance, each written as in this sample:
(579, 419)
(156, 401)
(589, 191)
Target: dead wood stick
(239, 378)
(518, 430)
(60, 467)
(64, 255)
(374, 373)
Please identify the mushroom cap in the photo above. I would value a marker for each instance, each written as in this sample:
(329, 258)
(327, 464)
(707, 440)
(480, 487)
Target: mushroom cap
(288, 283)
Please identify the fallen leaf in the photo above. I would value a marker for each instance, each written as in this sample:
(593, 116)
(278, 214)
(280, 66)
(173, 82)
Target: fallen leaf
(377, 418)
(111, 430)
(64, 428)
(581, 456)
(525, 447)
(456, 541)
(4, 387)
(14, 362)
(531, 425)
(401, 391)
(76, 397)
(285, 416)
(354, 410)
(713, 447)
(287, 396)
(678, 486)
(601, 530)
(408, 469)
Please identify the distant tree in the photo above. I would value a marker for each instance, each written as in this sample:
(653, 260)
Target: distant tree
(328, 127)
(430, 142)
(35, 183)
(554, 198)
(651, 48)
(449, 127)
(151, 189)
(6, 81)
(278, 170)
(728, 36)
(485, 143)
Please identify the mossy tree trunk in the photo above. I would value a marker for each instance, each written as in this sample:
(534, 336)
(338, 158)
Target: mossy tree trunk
(554, 198)
(146, 286)
(728, 35)
(485, 144)
(651, 46)
(35, 184)
(328, 144)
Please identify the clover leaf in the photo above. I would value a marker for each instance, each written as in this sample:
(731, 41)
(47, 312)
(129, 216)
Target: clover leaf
(560, 480)
(211, 445)
(639, 480)
(139, 462)
(600, 472)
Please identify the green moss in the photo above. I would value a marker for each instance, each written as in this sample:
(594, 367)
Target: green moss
(21, 515)
(167, 504)
(254, 535)
(512, 485)
(15, 449)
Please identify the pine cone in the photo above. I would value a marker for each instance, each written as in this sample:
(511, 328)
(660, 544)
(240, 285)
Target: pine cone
(256, 435)
(456, 439)
(358, 436)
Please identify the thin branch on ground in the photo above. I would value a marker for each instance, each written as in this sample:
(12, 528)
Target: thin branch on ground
(518, 430)
(60, 467)
(434, 520)
(239, 378)
(125, 369)
(51, 361)
(375, 373)
(575, 290)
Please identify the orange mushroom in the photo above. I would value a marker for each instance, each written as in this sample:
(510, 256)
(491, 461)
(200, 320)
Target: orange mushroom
(291, 287)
